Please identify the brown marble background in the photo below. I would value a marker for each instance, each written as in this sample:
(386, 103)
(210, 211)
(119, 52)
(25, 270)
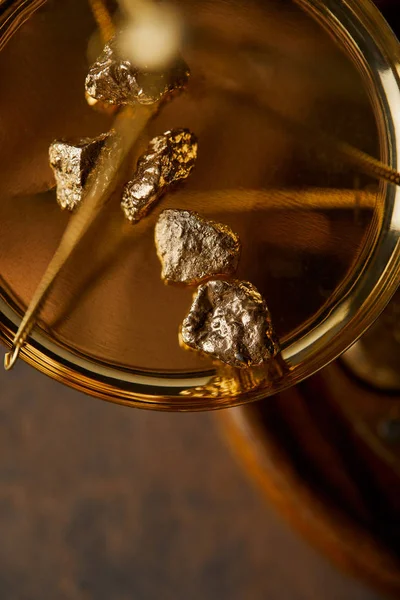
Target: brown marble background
(99, 501)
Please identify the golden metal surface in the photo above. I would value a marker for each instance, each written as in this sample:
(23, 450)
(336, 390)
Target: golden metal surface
(230, 321)
(169, 158)
(192, 248)
(101, 183)
(15, 14)
(72, 162)
(114, 80)
(320, 238)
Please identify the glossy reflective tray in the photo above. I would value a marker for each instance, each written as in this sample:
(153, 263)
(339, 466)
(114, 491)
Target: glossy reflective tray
(278, 94)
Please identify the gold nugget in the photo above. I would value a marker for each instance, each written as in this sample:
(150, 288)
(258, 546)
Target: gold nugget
(230, 321)
(192, 248)
(114, 80)
(169, 158)
(72, 162)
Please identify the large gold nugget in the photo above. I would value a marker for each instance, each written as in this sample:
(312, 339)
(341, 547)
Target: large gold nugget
(192, 248)
(169, 158)
(230, 321)
(113, 80)
(72, 162)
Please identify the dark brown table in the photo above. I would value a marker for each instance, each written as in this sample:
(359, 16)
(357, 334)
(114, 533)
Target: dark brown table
(99, 501)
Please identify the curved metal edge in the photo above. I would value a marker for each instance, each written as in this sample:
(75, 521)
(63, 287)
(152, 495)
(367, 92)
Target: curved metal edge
(386, 84)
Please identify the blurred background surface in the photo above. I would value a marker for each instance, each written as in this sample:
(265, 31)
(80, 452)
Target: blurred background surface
(97, 501)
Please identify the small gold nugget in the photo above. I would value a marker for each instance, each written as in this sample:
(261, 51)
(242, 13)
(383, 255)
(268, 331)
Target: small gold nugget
(192, 248)
(169, 158)
(72, 162)
(113, 80)
(230, 321)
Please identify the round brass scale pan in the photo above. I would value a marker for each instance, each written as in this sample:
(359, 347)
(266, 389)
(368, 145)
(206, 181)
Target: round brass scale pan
(320, 238)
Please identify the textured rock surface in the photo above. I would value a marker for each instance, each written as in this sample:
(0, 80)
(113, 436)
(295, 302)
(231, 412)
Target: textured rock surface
(116, 81)
(169, 158)
(230, 321)
(192, 248)
(72, 162)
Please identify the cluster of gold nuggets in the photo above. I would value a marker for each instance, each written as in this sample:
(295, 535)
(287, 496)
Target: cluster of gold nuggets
(228, 319)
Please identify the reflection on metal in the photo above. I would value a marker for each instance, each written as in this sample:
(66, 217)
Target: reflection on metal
(72, 163)
(169, 159)
(13, 15)
(114, 80)
(100, 184)
(192, 248)
(230, 321)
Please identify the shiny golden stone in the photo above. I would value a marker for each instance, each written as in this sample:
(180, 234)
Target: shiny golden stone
(230, 321)
(72, 161)
(192, 248)
(114, 80)
(169, 158)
